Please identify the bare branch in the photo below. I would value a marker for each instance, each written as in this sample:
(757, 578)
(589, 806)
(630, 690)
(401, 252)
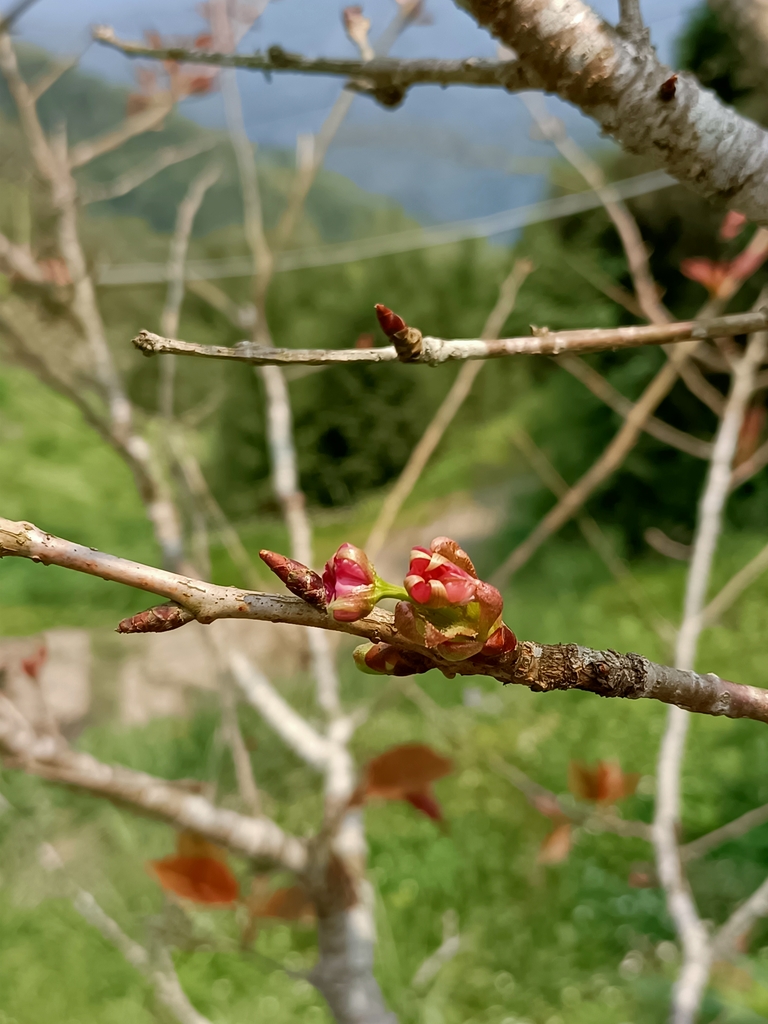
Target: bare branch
(294, 730)
(435, 351)
(159, 970)
(127, 182)
(137, 124)
(169, 318)
(693, 935)
(750, 467)
(49, 78)
(607, 463)
(735, 587)
(450, 405)
(740, 921)
(18, 261)
(606, 392)
(618, 82)
(631, 21)
(13, 15)
(726, 833)
(595, 537)
(48, 758)
(699, 386)
(541, 667)
(386, 79)
(552, 128)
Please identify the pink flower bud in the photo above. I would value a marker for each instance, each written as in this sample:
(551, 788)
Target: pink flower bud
(350, 584)
(390, 322)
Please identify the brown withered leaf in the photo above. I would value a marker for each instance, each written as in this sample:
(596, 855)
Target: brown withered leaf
(199, 879)
(291, 903)
(190, 844)
(603, 783)
(405, 769)
(557, 845)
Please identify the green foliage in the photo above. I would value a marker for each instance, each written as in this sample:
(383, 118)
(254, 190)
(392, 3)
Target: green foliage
(574, 942)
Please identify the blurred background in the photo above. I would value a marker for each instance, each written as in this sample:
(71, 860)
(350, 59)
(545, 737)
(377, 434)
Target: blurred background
(424, 208)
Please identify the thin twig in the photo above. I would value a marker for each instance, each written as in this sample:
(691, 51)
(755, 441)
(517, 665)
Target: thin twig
(440, 422)
(129, 180)
(169, 318)
(726, 833)
(646, 290)
(435, 351)
(384, 78)
(735, 587)
(690, 928)
(606, 392)
(596, 538)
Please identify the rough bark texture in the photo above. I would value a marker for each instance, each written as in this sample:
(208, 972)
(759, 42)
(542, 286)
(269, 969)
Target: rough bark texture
(570, 51)
(541, 667)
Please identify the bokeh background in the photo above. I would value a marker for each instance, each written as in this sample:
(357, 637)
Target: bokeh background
(585, 941)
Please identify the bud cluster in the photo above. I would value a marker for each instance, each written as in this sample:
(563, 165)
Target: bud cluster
(442, 607)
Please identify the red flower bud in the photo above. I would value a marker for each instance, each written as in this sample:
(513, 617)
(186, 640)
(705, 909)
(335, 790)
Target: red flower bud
(300, 580)
(390, 322)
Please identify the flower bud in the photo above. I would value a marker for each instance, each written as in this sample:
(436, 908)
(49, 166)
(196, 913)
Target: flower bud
(390, 322)
(299, 579)
(352, 588)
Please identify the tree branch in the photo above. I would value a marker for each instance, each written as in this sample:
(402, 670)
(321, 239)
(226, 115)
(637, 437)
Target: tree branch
(732, 830)
(435, 351)
(127, 182)
(49, 758)
(606, 392)
(445, 414)
(386, 79)
(571, 51)
(540, 667)
(289, 725)
(697, 952)
(145, 121)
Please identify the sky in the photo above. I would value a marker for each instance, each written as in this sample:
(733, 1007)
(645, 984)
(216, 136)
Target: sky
(442, 154)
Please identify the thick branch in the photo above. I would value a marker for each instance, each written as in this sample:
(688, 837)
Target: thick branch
(46, 756)
(617, 81)
(435, 351)
(540, 667)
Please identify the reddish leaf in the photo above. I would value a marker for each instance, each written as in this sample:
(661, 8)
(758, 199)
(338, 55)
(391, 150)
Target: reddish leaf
(425, 802)
(190, 844)
(603, 783)
(409, 768)
(288, 904)
(733, 222)
(198, 85)
(200, 879)
(365, 340)
(557, 845)
(33, 665)
(203, 42)
(706, 272)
